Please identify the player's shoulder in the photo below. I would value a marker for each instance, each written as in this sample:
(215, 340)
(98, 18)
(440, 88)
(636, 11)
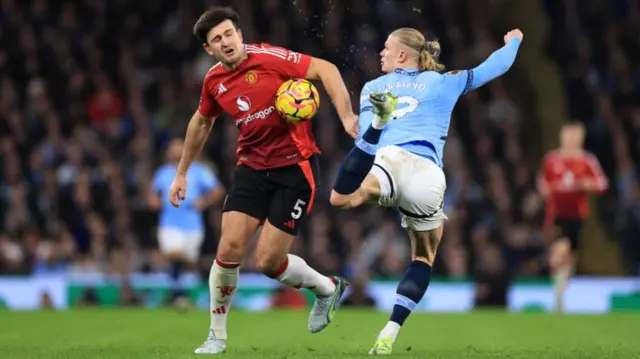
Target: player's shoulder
(454, 73)
(214, 75)
(214, 70)
(551, 156)
(263, 46)
(267, 52)
(588, 156)
(450, 77)
(379, 83)
(371, 85)
(163, 171)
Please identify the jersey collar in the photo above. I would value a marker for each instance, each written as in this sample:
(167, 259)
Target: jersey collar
(407, 72)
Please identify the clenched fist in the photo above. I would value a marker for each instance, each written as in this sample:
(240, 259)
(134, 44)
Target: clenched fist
(178, 190)
(515, 33)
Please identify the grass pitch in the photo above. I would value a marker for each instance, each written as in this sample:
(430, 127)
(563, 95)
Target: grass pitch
(130, 334)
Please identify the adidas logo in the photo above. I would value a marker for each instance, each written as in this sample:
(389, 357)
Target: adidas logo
(220, 310)
(221, 89)
(290, 223)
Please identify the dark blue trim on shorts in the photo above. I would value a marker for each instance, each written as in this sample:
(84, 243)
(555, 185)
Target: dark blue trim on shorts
(421, 216)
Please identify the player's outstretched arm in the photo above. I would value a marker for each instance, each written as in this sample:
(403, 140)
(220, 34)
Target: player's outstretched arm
(197, 132)
(498, 62)
(332, 81)
(597, 181)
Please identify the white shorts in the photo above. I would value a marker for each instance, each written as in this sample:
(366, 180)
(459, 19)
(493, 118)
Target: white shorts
(413, 184)
(172, 240)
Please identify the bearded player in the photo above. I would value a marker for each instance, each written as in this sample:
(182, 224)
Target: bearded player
(398, 160)
(567, 176)
(275, 179)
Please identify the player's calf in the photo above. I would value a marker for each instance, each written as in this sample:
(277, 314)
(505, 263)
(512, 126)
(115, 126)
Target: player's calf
(561, 263)
(177, 267)
(293, 271)
(412, 286)
(237, 230)
(273, 259)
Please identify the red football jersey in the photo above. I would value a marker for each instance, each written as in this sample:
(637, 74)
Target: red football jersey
(247, 94)
(563, 177)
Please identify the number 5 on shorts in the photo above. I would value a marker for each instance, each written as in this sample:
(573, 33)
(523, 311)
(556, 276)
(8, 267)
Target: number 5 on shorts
(298, 208)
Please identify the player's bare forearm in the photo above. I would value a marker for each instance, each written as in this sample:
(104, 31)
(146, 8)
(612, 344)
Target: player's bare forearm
(542, 185)
(599, 182)
(197, 132)
(333, 83)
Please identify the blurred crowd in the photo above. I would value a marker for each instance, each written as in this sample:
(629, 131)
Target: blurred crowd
(92, 91)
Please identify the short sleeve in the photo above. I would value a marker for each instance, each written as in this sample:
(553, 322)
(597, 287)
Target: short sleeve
(286, 62)
(208, 106)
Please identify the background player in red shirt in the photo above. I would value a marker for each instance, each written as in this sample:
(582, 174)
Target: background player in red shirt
(275, 180)
(567, 176)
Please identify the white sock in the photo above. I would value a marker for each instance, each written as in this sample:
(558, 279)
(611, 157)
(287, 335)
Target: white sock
(223, 281)
(390, 330)
(378, 123)
(561, 280)
(296, 273)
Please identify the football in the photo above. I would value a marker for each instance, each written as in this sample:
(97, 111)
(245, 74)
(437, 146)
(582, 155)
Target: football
(297, 100)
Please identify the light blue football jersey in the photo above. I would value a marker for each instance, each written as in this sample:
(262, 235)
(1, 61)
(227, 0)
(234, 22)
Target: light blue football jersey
(420, 123)
(188, 218)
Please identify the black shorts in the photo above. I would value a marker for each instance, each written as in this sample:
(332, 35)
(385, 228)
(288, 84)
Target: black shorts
(571, 229)
(283, 196)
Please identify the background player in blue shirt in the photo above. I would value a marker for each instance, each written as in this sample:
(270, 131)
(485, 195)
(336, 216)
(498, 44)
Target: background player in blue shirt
(398, 160)
(181, 230)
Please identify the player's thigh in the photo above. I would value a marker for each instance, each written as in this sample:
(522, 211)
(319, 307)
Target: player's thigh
(566, 242)
(170, 241)
(570, 230)
(421, 189)
(245, 207)
(249, 194)
(368, 192)
(293, 196)
(289, 208)
(237, 231)
(424, 244)
(192, 244)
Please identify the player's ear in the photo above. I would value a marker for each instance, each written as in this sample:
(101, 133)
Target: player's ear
(402, 56)
(207, 48)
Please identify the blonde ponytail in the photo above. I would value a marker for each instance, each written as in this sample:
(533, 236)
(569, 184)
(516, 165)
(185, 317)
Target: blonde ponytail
(427, 52)
(428, 60)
